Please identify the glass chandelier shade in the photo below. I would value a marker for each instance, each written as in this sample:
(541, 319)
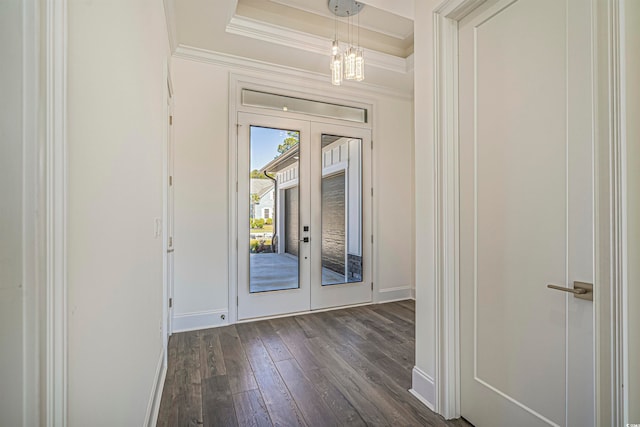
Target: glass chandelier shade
(350, 64)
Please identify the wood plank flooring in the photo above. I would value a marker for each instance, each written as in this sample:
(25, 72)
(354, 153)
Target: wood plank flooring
(349, 367)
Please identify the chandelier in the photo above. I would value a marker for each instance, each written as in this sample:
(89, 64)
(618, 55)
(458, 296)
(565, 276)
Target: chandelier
(347, 65)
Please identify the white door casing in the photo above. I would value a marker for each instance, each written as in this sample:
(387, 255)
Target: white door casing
(169, 233)
(526, 213)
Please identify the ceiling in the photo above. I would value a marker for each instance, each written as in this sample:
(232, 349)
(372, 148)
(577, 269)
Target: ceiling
(298, 34)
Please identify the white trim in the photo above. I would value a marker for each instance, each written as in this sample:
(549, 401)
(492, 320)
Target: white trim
(398, 293)
(447, 344)
(423, 387)
(200, 320)
(166, 158)
(302, 313)
(611, 320)
(153, 406)
(232, 197)
(283, 36)
(169, 15)
(329, 14)
(237, 63)
(55, 182)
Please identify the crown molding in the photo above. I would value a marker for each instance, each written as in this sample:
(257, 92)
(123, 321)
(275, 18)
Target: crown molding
(328, 14)
(259, 30)
(238, 63)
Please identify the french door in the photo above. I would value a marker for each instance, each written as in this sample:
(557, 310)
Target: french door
(304, 219)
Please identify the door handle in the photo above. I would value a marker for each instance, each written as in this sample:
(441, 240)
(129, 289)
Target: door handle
(580, 290)
(305, 239)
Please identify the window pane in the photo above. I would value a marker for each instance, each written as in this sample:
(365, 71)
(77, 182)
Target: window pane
(341, 210)
(273, 209)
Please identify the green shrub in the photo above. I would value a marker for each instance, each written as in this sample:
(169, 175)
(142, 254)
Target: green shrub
(269, 221)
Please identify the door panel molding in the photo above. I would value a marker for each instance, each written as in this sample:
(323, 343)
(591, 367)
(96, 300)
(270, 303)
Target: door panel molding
(609, 213)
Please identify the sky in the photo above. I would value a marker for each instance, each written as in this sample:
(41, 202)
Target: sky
(264, 145)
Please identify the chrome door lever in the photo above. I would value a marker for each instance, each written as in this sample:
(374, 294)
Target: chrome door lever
(580, 290)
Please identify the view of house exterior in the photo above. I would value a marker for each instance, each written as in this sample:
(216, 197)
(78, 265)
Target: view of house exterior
(262, 198)
(341, 206)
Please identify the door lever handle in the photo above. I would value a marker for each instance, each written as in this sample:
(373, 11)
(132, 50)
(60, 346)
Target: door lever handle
(580, 290)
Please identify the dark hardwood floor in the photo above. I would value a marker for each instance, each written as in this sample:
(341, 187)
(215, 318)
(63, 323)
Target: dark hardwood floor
(349, 367)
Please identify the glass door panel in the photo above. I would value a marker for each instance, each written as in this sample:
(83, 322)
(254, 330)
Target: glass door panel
(273, 209)
(273, 204)
(341, 215)
(341, 210)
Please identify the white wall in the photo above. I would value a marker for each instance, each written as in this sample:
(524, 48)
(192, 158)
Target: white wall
(394, 214)
(632, 41)
(424, 186)
(201, 204)
(11, 212)
(201, 187)
(116, 119)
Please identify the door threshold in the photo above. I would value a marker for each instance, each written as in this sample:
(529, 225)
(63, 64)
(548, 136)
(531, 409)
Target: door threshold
(300, 313)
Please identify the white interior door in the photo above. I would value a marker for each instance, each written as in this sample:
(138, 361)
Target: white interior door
(526, 213)
(304, 223)
(170, 218)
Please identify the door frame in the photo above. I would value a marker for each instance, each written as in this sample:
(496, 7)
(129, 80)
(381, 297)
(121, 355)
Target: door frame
(294, 88)
(167, 179)
(610, 227)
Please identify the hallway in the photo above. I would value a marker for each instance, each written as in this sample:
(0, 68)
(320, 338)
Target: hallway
(343, 367)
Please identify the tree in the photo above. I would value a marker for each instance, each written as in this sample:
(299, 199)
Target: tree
(292, 139)
(256, 174)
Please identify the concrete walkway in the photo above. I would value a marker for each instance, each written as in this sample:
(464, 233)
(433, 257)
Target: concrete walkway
(275, 272)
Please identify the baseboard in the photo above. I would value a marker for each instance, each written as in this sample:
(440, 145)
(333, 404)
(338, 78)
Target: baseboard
(423, 387)
(413, 293)
(395, 294)
(153, 407)
(200, 320)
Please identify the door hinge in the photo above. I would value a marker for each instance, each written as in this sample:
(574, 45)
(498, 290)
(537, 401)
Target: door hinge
(170, 180)
(371, 191)
(372, 144)
(371, 285)
(236, 186)
(170, 120)
(170, 241)
(372, 239)
(170, 302)
(237, 301)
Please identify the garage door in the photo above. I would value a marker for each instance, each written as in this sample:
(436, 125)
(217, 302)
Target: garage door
(291, 220)
(333, 222)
